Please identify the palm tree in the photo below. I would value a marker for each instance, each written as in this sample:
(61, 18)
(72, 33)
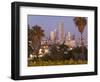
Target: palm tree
(81, 22)
(35, 35)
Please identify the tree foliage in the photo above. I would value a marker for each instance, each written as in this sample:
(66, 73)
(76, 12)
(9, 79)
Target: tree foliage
(80, 22)
(35, 34)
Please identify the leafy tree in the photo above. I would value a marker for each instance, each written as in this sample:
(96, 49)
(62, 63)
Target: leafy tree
(35, 35)
(80, 22)
(77, 55)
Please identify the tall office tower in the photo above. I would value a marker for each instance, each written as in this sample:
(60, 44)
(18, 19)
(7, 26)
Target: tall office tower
(68, 37)
(70, 40)
(55, 31)
(61, 31)
(52, 36)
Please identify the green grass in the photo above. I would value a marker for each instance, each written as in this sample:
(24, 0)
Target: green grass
(56, 62)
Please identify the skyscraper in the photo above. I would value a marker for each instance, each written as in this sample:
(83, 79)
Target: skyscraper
(70, 40)
(52, 36)
(61, 31)
(69, 36)
(55, 34)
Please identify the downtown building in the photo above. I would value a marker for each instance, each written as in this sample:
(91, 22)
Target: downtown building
(58, 36)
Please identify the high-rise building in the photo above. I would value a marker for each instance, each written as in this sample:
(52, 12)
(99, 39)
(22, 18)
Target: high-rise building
(68, 36)
(61, 31)
(52, 36)
(70, 40)
(55, 34)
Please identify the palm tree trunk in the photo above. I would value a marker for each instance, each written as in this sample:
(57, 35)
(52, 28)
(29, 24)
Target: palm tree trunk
(82, 46)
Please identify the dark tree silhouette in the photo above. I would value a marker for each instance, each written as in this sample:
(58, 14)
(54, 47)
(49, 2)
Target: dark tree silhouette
(35, 35)
(81, 22)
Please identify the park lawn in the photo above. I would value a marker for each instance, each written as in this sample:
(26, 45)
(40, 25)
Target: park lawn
(56, 62)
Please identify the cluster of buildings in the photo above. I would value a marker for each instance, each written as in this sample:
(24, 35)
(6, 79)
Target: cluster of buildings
(58, 36)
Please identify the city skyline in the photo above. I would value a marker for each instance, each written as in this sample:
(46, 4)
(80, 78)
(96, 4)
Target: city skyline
(55, 40)
(52, 23)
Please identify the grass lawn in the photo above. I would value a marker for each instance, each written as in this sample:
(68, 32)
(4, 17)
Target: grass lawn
(56, 62)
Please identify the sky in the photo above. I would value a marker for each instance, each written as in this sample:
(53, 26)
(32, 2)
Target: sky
(50, 23)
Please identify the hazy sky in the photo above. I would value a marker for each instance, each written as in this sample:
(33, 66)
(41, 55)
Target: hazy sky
(50, 23)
